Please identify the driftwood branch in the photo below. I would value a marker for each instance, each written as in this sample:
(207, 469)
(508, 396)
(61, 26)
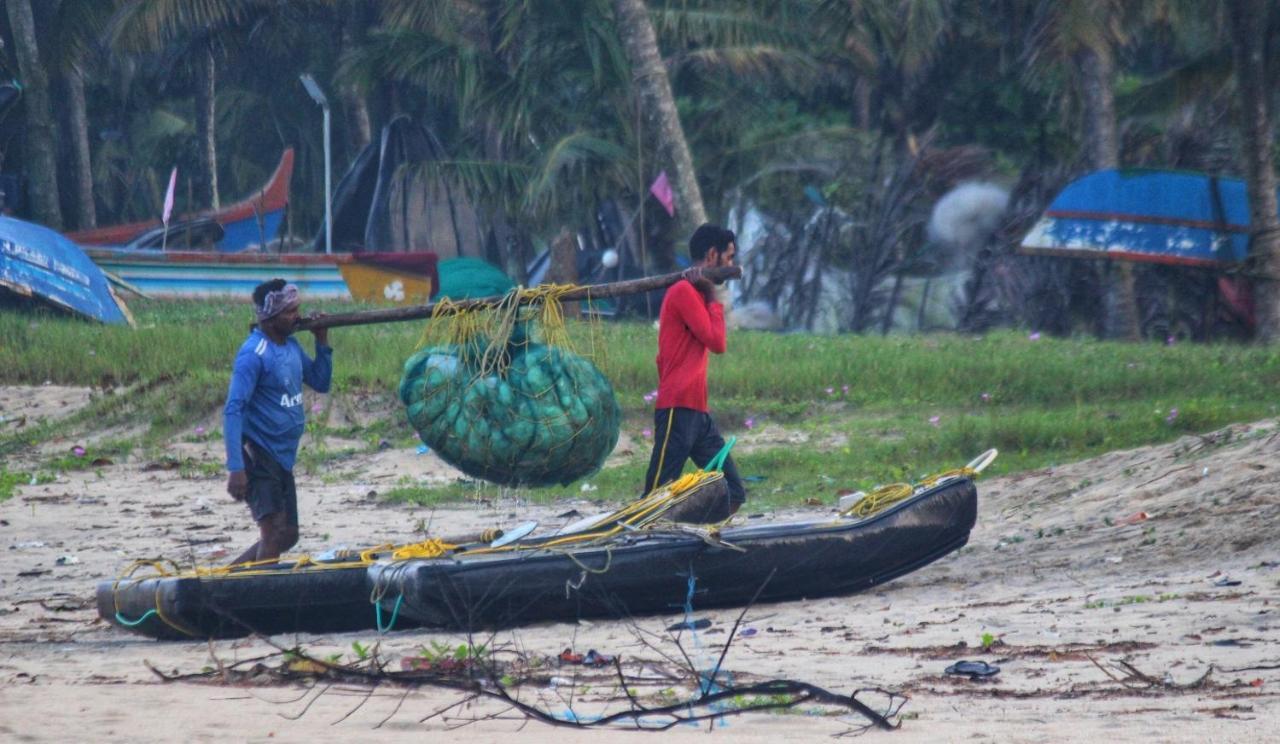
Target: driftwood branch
(593, 292)
(488, 681)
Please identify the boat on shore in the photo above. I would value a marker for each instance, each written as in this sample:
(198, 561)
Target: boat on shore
(520, 579)
(386, 278)
(251, 222)
(41, 265)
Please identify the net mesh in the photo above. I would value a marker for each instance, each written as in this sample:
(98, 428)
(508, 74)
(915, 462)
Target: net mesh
(500, 393)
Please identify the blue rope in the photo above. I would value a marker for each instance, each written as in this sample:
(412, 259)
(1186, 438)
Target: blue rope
(717, 462)
(377, 607)
(131, 623)
(706, 683)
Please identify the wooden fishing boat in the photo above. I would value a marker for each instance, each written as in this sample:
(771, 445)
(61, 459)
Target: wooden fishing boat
(651, 571)
(387, 278)
(251, 222)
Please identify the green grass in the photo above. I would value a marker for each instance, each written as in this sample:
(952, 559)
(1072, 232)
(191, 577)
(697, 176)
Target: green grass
(875, 409)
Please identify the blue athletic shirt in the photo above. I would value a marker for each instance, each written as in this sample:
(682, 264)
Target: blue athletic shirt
(264, 400)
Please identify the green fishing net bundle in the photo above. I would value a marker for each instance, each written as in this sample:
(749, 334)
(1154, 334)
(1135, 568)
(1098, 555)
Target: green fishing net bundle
(500, 395)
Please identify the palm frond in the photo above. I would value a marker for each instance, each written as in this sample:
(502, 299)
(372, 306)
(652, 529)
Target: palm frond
(579, 162)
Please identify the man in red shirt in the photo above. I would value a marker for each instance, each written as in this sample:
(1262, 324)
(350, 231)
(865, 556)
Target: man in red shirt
(690, 324)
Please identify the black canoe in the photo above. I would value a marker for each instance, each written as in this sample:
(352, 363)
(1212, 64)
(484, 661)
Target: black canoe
(656, 572)
(281, 598)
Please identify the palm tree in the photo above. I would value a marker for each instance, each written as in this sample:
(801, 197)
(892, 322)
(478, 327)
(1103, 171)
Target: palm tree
(41, 142)
(70, 52)
(1082, 36)
(206, 29)
(1251, 23)
(649, 75)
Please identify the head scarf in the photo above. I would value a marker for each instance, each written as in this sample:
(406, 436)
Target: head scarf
(277, 302)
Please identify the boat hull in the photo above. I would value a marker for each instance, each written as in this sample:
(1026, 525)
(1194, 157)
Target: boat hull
(208, 275)
(253, 221)
(664, 573)
(1165, 217)
(37, 263)
(314, 599)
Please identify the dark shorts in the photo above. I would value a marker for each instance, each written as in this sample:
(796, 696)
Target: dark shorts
(271, 488)
(681, 434)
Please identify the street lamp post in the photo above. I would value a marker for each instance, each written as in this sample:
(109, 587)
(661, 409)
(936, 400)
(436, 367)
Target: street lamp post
(317, 95)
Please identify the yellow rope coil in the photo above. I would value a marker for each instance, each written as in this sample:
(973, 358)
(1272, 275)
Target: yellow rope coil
(886, 496)
(430, 548)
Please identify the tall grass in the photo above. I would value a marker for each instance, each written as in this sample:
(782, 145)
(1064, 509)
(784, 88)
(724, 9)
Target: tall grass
(874, 408)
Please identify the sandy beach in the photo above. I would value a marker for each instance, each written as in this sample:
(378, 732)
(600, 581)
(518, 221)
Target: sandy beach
(1134, 596)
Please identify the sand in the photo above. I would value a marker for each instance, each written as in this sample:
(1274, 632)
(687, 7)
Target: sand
(1165, 558)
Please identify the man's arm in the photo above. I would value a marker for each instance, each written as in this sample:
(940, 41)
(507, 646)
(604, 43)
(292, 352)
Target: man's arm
(704, 319)
(318, 373)
(244, 378)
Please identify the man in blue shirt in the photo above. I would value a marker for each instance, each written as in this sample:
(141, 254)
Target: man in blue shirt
(264, 417)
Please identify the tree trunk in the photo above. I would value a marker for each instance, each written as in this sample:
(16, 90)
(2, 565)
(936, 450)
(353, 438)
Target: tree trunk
(359, 124)
(206, 128)
(81, 165)
(41, 140)
(1249, 23)
(659, 107)
(564, 264)
(1097, 75)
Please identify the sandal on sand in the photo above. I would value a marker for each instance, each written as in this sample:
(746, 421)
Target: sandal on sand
(973, 669)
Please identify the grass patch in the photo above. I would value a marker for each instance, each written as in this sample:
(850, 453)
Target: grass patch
(9, 481)
(874, 409)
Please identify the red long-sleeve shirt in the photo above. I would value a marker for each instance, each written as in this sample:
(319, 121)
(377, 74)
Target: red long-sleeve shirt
(688, 327)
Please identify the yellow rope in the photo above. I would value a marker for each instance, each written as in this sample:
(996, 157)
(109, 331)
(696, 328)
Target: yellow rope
(886, 496)
(430, 548)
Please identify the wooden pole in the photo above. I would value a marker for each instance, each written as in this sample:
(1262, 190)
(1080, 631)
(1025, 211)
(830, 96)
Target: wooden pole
(594, 292)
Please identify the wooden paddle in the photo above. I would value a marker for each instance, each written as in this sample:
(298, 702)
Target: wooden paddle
(593, 292)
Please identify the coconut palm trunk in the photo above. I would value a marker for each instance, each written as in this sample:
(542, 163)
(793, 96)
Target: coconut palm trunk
(659, 106)
(81, 166)
(1249, 23)
(206, 126)
(1096, 68)
(41, 134)
(359, 123)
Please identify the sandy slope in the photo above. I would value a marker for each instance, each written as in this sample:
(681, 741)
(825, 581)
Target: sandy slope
(1062, 572)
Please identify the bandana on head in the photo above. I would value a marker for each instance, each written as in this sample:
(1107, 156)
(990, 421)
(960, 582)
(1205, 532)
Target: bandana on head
(277, 302)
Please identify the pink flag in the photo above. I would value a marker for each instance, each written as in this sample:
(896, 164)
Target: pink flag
(661, 190)
(168, 196)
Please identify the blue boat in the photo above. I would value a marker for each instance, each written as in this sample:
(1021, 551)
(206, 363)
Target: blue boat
(39, 264)
(1166, 217)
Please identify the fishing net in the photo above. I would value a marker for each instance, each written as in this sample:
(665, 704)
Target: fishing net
(499, 393)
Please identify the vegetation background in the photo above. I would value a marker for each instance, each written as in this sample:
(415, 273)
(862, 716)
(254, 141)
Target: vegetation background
(548, 109)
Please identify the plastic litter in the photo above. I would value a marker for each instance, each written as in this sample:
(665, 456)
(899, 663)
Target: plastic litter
(973, 669)
(593, 658)
(849, 500)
